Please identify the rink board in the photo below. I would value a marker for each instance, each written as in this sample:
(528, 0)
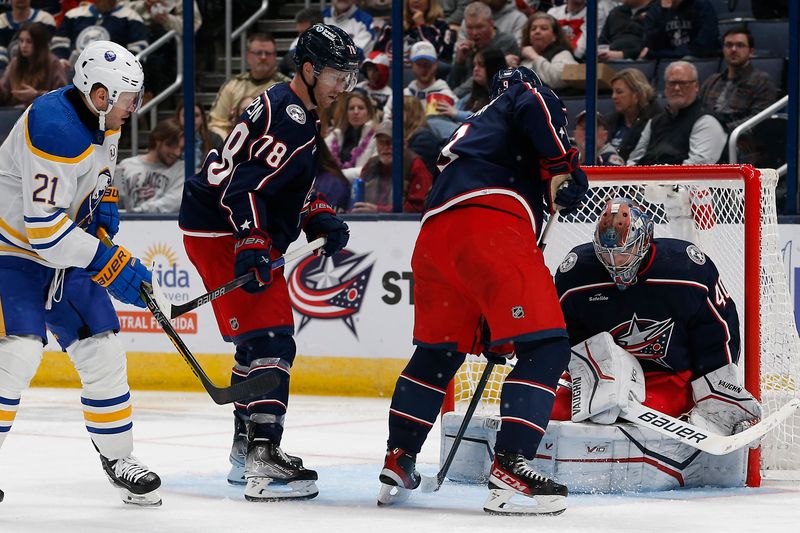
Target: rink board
(353, 313)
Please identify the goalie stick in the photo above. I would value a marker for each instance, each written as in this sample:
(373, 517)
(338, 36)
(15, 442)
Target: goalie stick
(700, 438)
(249, 388)
(433, 484)
(177, 310)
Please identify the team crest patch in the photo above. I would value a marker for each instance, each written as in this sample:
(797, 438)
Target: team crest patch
(696, 255)
(112, 152)
(296, 113)
(568, 262)
(517, 312)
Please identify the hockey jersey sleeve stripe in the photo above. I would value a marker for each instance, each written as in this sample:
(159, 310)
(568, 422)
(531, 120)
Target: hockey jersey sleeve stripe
(40, 233)
(17, 250)
(50, 157)
(11, 233)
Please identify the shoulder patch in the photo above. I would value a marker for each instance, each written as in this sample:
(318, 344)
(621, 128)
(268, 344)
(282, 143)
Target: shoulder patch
(695, 254)
(296, 113)
(568, 262)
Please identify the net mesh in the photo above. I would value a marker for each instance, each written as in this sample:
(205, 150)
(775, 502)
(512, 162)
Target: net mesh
(710, 213)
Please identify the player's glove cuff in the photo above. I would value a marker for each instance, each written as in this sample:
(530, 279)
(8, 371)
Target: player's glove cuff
(563, 164)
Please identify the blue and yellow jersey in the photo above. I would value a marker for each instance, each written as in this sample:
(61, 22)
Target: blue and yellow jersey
(53, 171)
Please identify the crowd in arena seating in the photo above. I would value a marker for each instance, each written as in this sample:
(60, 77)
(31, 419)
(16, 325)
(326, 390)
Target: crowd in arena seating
(686, 73)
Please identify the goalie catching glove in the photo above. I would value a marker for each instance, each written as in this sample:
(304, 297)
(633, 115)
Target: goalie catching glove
(605, 379)
(722, 404)
(321, 221)
(566, 182)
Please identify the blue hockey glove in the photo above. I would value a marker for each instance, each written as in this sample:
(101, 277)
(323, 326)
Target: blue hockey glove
(120, 273)
(321, 220)
(252, 255)
(566, 182)
(106, 214)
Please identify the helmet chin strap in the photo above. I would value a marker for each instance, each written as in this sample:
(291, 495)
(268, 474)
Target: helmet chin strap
(101, 115)
(309, 88)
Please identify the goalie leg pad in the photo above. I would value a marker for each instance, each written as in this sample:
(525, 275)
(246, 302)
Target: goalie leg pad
(526, 400)
(418, 396)
(102, 366)
(604, 379)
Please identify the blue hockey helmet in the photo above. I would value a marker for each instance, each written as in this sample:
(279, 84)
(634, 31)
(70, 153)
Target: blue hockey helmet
(511, 76)
(622, 239)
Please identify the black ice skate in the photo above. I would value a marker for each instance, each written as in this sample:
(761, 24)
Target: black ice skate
(510, 476)
(398, 477)
(136, 482)
(239, 452)
(272, 475)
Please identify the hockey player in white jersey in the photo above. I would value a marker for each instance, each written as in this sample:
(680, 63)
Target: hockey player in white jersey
(55, 176)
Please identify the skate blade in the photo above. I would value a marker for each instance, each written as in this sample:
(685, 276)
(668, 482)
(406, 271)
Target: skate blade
(499, 503)
(392, 494)
(263, 489)
(151, 499)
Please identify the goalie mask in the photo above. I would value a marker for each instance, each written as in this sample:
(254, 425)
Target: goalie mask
(622, 239)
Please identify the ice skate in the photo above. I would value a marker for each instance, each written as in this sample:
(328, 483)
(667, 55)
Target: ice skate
(398, 477)
(511, 476)
(136, 482)
(239, 453)
(272, 475)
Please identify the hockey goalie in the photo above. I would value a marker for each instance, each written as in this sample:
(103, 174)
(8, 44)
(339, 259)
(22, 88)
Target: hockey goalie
(662, 332)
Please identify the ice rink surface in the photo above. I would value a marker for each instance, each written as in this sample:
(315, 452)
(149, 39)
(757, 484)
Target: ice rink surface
(53, 480)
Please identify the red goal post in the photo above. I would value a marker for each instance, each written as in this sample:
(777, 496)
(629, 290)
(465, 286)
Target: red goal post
(729, 212)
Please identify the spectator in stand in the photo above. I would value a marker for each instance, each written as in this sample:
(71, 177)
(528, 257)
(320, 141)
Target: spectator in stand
(50, 6)
(352, 141)
(204, 140)
(634, 104)
(623, 31)
(604, 153)
(262, 74)
(420, 135)
(103, 20)
(425, 82)
(160, 17)
(376, 79)
(685, 133)
(454, 12)
(480, 34)
(330, 181)
(740, 91)
(377, 176)
(681, 28)
(356, 22)
(153, 182)
(33, 71)
(572, 17)
(422, 21)
(12, 21)
(507, 19)
(488, 62)
(304, 19)
(545, 50)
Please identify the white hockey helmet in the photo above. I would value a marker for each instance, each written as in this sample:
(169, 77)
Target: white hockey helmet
(115, 68)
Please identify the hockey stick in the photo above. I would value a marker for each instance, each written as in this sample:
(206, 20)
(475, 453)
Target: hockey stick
(178, 310)
(700, 438)
(249, 388)
(433, 484)
(430, 484)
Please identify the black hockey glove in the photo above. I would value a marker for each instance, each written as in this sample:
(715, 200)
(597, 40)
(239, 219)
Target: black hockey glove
(567, 183)
(320, 221)
(253, 255)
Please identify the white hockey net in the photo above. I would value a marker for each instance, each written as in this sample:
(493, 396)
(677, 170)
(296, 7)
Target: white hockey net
(705, 205)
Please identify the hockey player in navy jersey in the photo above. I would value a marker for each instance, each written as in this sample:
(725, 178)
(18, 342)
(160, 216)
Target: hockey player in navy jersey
(669, 317)
(476, 264)
(249, 202)
(55, 174)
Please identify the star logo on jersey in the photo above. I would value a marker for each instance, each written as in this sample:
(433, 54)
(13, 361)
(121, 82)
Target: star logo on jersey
(645, 338)
(245, 225)
(327, 288)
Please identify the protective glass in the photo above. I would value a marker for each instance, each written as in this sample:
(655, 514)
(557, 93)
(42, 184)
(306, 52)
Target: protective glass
(129, 101)
(339, 78)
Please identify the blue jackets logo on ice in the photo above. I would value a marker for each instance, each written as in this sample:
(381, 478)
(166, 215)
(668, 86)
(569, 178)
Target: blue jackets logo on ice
(329, 288)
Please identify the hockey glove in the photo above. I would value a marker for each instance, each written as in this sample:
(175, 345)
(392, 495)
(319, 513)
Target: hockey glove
(321, 221)
(120, 273)
(567, 182)
(722, 404)
(253, 255)
(106, 214)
